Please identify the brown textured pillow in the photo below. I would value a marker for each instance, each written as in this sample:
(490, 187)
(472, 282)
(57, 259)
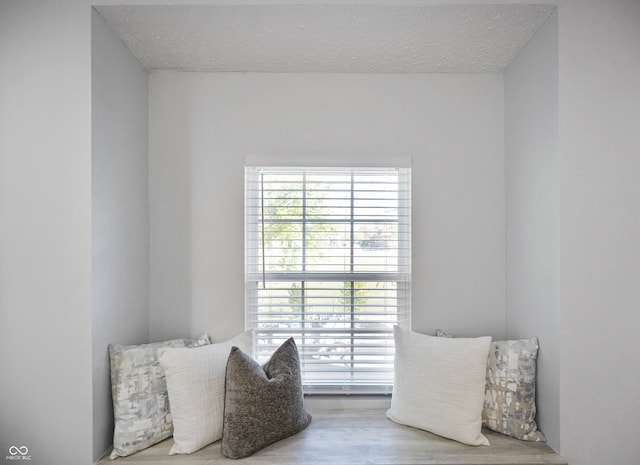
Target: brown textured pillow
(262, 404)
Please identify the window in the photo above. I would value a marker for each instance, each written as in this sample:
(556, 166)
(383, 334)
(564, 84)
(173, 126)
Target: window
(328, 261)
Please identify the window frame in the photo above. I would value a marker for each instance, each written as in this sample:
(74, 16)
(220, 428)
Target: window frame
(255, 274)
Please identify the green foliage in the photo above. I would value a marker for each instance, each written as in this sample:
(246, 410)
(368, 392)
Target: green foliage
(284, 213)
(354, 293)
(288, 216)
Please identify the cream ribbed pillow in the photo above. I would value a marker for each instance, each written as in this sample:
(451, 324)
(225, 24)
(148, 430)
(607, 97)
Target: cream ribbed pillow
(195, 384)
(439, 385)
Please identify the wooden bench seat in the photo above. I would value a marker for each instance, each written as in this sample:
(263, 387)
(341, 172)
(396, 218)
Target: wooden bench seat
(360, 437)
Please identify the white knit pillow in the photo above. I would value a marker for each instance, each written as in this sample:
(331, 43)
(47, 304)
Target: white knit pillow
(195, 384)
(439, 385)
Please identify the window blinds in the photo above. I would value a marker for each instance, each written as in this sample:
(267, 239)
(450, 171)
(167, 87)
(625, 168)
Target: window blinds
(328, 261)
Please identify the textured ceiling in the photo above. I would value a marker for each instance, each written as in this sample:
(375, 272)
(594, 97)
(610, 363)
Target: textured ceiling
(327, 38)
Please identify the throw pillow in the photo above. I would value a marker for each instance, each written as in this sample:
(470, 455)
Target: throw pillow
(139, 391)
(195, 383)
(439, 385)
(510, 397)
(510, 391)
(263, 404)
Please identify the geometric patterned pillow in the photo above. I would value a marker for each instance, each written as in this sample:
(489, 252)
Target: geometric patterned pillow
(139, 391)
(510, 394)
(510, 391)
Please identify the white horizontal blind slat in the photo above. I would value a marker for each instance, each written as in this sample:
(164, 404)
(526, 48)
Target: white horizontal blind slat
(327, 261)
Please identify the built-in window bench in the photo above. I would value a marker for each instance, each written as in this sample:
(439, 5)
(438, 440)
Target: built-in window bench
(360, 437)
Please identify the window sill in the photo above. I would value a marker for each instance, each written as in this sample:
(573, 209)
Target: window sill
(346, 402)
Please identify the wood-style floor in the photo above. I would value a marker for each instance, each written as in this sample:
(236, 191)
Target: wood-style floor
(360, 437)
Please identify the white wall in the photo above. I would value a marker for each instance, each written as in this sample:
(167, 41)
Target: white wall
(45, 226)
(599, 99)
(202, 125)
(531, 160)
(120, 213)
(45, 231)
